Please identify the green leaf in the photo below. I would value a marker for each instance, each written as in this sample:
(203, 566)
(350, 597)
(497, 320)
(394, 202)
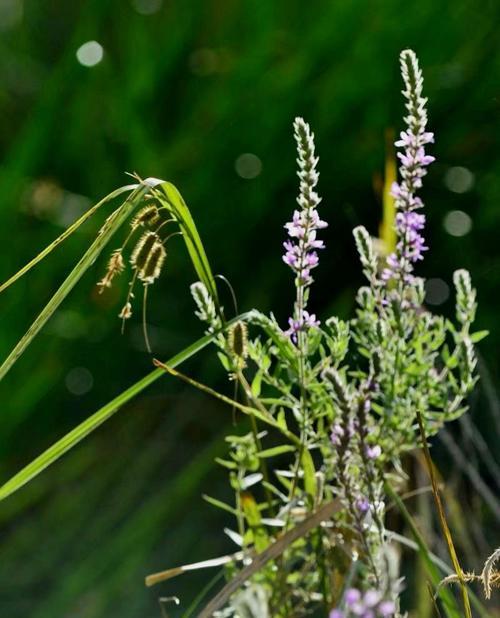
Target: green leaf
(254, 519)
(257, 384)
(230, 465)
(477, 337)
(276, 450)
(282, 419)
(170, 197)
(224, 361)
(309, 473)
(220, 505)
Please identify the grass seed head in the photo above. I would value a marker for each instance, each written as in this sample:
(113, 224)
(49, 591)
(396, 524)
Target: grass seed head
(147, 216)
(126, 311)
(238, 340)
(141, 251)
(116, 265)
(153, 264)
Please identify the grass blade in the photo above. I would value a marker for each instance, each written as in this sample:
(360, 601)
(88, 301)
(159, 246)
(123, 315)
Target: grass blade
(172, 199)
(89, 257)
(60, 239)
(449, 603)
(75, 436)
(442, 518)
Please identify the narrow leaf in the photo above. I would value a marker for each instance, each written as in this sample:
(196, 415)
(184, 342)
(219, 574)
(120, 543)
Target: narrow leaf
(309, 473)
(276, 450)
(220, 505)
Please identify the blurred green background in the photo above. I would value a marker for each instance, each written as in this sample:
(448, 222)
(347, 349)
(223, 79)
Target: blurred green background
(203, 93)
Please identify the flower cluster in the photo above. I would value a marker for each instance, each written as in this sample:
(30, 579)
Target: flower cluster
(300, 254)
(371, 604)
(414, 160)
(300, 248)
(296, 325)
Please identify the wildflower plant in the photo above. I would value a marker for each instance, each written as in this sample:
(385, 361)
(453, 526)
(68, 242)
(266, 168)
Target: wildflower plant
(329, 409)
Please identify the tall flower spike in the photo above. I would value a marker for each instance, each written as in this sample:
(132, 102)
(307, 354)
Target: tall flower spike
(300, 248)
(413, 163)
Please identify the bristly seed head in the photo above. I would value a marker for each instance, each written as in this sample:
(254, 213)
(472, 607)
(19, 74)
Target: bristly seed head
(115, 267)
(141, 251)
(126, 312)
(147, 216)
(238, 340)
(154, 263)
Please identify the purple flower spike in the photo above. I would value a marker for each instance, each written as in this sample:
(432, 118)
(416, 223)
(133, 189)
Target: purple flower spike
(414, 160)
(300, 248)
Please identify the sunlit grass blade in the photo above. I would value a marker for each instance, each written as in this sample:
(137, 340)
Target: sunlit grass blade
(449, 602)
(442, 518)
(156, 578)
(172, 199)
(63, 445)
(450, 605)
(60, 239)
(111, 225)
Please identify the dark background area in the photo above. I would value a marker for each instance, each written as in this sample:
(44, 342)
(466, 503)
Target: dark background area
(186, 91)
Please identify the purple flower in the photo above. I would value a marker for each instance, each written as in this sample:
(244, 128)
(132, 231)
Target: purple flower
(337, 613)
(373, 452)
(372, 598)
(414, 160)
(337, 434)
(367, 605)
(296, 326)
(362, 505)
(386, 609)
(299, 249)
(352, 596)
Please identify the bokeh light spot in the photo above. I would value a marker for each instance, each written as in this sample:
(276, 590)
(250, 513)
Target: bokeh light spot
(147, 7)
(457, 223)
(248, 166)
(11, 14)
(90, 53)
(437, 291)
(459, 179)
(79, 381)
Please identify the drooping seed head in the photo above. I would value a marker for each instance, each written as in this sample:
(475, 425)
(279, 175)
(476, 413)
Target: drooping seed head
(126, 311)
(115, 267)
(141, 251)
(147, 216)
(154, 263)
